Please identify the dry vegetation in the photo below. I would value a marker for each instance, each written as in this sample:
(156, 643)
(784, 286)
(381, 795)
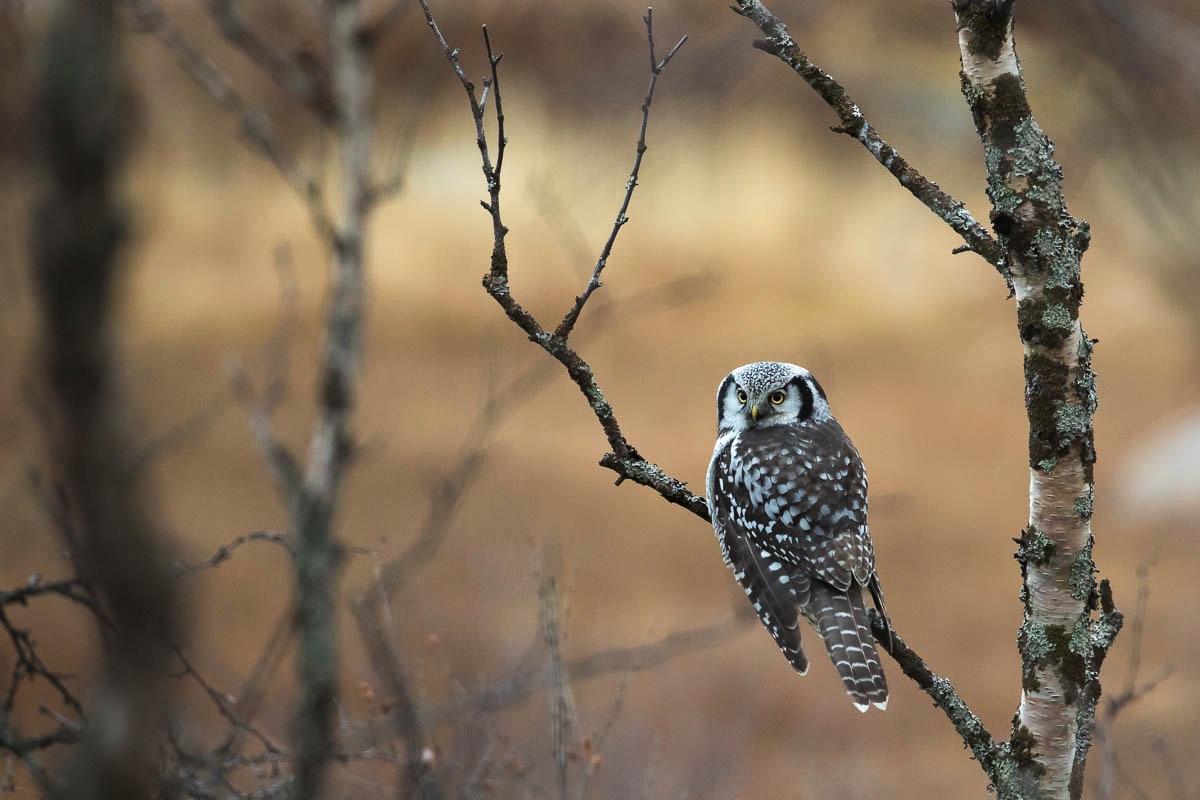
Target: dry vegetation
(807, 252)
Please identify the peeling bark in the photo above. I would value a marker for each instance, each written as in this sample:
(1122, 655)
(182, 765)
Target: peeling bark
(1044, 246)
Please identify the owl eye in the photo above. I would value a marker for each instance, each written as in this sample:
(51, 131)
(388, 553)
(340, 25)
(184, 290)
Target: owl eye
(776, 397)
(741, 396)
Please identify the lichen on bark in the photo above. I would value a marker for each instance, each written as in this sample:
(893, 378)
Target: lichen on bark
(1044, 246)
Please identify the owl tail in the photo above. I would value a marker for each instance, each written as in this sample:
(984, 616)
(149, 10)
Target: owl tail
(841, 620)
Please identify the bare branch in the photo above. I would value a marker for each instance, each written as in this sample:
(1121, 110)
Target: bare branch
(1170, 768)
(181, 433)
(647, 656)
(225, 551)
(221, 701)
(494, 83)
(970, 728)
(309, 86)
(253, 690)
(593, 747)
(29, 665)
(406, 717)
(279, 460)
(563, 331)
(313, 505)
(780, 44)
(71, 588)
(561, 701)
(255, 123)
(277, 353)
(405, 139)
(1129, 695)
(624, 459)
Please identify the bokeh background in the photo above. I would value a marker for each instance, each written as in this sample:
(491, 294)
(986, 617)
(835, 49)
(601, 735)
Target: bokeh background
(777, 240)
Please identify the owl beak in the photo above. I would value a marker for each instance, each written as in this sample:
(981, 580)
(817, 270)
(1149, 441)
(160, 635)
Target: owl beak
(754, 413)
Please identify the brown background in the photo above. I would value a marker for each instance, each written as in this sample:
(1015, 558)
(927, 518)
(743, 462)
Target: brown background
(806, 250)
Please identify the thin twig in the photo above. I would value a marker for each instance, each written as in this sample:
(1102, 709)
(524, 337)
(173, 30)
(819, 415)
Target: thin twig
(525, 682)
(226, 551)
(278, 458)
(1170, 768)
(254, 689)
(70, 588)
(593, 747)
(408, 722)
(501, 139)
(561, 702)
(1130, 782)
(28, 664)
(309, 86)
(181, 433)
(563, 331)
(1130, 694)
(277, 352)
(447, 495)
(221, 701)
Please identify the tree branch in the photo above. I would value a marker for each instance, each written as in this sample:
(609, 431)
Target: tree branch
(225, 551)
(562, 700)
(309, 86)
(780, 44)
(406, 718)
(625, 460)
(1007, 764)
(255, 123)
(647, 656)
(970, 728)
(624, 457)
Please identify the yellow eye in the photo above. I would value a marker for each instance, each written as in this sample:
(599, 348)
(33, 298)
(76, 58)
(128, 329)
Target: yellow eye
(741, 396)
(776, 398)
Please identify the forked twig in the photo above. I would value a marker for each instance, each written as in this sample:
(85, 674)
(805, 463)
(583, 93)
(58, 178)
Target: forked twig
(255, 123)
(308, 86)
(624, 458)
(853, 123)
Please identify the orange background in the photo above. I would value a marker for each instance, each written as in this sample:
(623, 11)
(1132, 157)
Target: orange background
(802, 249)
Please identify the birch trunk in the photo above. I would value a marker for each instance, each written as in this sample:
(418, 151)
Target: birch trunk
(1043, 246)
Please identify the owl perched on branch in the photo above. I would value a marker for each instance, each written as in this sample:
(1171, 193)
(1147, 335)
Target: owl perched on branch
(787, 493)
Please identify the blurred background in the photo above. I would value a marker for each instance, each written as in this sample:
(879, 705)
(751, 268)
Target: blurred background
(755, 234)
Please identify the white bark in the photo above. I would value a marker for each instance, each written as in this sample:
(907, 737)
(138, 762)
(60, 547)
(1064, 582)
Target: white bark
(1043, 263)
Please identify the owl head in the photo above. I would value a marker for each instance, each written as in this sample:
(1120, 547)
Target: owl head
(768, 393)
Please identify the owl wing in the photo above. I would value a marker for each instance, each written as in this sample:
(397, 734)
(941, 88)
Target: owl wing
(807, 486)
(775, 596)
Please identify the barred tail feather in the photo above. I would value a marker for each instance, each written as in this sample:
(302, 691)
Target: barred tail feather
(841, 620)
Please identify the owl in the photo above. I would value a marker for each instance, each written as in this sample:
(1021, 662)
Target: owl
(787, 494)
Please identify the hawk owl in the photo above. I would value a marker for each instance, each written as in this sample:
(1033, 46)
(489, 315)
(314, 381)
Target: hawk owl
(787, 494)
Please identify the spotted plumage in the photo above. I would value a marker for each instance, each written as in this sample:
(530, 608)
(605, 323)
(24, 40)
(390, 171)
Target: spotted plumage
(787, 493)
